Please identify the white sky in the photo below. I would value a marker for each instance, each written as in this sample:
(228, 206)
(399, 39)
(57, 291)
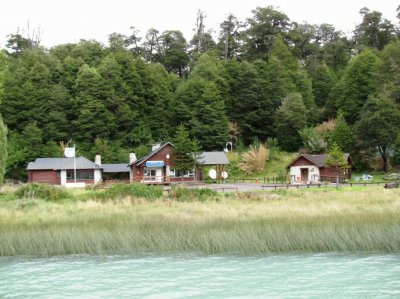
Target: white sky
(63, 21)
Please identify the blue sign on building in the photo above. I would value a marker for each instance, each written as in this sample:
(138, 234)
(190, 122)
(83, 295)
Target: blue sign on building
(155, 164)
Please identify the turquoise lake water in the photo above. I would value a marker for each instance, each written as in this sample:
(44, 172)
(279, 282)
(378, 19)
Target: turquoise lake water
(196, 276)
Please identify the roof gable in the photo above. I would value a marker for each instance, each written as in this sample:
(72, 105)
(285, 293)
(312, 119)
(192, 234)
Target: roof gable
(149, 155)
(319, 160)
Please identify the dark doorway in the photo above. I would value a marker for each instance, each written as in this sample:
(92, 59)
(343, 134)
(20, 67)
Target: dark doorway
(304, 174)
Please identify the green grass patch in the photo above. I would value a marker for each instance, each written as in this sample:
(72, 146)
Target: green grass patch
(41, 191)
(186, 194)
(121, 191)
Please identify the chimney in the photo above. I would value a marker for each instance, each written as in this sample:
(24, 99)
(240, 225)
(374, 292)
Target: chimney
(132, 158)
(155, 146)
(97, 160)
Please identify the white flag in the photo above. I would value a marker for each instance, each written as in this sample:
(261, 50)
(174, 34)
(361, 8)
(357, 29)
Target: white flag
(69, 152)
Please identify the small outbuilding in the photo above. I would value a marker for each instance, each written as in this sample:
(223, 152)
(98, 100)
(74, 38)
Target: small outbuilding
(217, 159)
(308, 168)
(60, 171)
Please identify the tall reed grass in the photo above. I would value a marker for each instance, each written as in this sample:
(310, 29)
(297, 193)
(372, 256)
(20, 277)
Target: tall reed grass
(247, 223)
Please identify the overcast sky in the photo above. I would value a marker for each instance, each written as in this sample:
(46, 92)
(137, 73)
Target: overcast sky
(63, 21)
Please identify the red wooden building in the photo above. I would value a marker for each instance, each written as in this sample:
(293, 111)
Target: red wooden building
(157, 167)
(308, 168)
(60, 171)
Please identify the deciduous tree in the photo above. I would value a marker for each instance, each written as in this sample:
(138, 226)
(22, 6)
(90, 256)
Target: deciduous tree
(378, 126)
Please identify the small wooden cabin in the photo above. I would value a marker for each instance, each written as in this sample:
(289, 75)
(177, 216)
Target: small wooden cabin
(308, 168)
(157, 167)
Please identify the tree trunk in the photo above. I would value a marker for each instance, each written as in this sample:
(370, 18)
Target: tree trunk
(382, 150)
(226, 44)
(385, 163)
(337, 177)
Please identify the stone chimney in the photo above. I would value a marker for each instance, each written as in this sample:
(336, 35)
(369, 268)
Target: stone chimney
(132, 158)
(155, 146)
(97, 160)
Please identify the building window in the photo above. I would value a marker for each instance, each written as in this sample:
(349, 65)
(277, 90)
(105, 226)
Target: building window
(80, 175)
(149, 172)
(315, 178)
(181, 173)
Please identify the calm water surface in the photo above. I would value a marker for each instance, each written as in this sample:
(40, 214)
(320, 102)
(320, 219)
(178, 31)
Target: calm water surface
(192, 276)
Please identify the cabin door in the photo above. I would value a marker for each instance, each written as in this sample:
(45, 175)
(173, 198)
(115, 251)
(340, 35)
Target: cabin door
(304, 174)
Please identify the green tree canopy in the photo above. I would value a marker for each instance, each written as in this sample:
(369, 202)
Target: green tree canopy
(290, 118)
(186, 151)
(378, 126)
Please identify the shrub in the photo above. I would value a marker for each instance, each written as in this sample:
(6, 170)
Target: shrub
(254, 160)
(186, 194)
(41, 191)
(131, 190)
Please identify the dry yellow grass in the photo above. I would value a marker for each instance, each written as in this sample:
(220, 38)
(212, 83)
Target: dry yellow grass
(254, 160)
(259, 222)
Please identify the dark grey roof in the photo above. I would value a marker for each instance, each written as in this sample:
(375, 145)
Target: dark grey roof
(62, 163)
(138, 162)
(213, 158)
(319, 160)
(121, 167)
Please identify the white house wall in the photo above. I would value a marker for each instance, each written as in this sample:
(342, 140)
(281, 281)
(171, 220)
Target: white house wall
(63, 177)
(313, 173)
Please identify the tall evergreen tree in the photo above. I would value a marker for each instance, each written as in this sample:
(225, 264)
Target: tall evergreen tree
(358, 82)
(336, 159)
(3, 149)
(290, 118)
(186, 151)
(342, 135)
(323, 81)
(263, 27)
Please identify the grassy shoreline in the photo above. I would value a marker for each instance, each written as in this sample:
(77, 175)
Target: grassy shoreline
(364, 220)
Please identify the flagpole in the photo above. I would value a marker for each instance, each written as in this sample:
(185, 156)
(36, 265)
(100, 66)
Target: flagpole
(74, 165)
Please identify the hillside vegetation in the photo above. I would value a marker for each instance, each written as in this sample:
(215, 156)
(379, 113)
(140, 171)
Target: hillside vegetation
(261, 78)
(275, 166)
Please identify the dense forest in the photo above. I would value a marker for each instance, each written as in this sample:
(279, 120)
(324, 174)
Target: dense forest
(267, 78)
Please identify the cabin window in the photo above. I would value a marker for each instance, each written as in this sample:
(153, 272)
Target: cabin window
(84, 175)
(149, 172)
(315, 178)
(180, 173)
(185, 174)
(80, 175)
